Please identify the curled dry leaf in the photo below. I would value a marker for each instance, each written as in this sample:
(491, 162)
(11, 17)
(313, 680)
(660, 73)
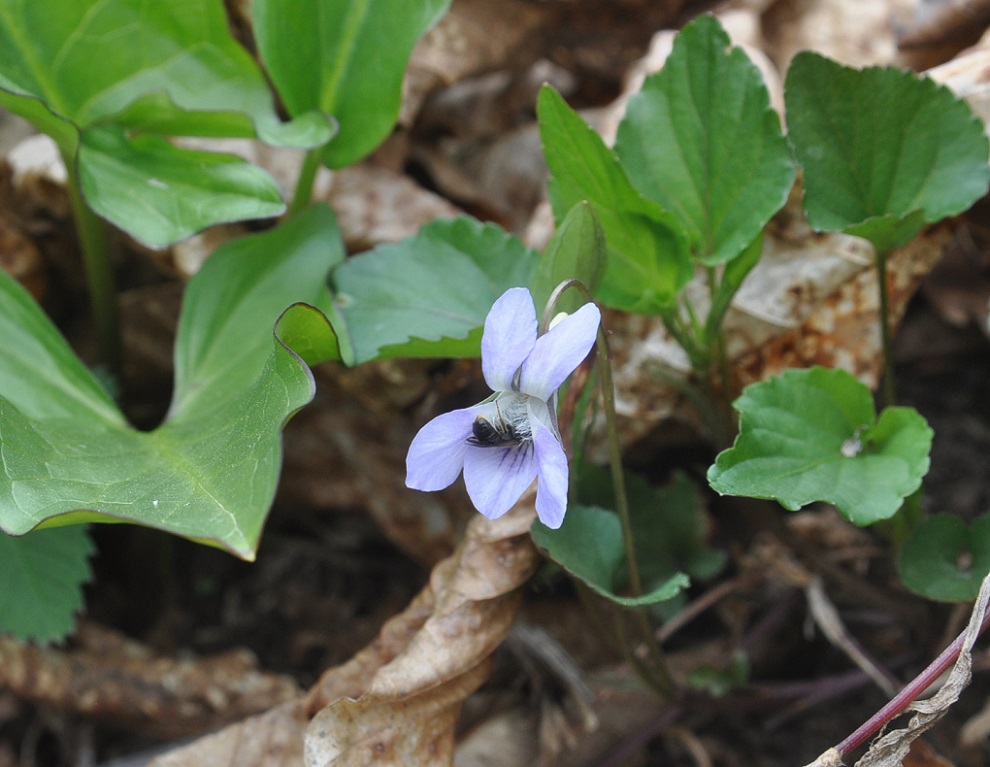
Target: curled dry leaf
(396, 701)
(117, 680)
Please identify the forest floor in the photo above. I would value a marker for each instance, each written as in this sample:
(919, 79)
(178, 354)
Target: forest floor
(333, 566)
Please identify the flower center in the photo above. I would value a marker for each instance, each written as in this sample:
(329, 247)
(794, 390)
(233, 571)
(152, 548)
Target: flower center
(506, 424)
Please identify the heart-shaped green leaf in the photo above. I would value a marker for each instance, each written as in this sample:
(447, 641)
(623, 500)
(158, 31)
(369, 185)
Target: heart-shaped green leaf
(813, 435)
(428, 295)
(589, 546)
(42, 575)
(209, 472)
(700, 137)
(648, 255)
(881, 143)
(345, 58)
(944, 559)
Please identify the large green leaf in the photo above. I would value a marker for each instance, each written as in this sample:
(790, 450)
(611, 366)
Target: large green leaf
(648, 254)
(428, 295)
(813, 435)
(42, 575)
(345, 58)
(170, 68)
(589, 546)
(701, 139)
(86, 71)
(171, 192)
(880, 143)
(209, 472)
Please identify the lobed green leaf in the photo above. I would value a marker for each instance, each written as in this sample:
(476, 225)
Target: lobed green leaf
(813, 435)
(945, 559)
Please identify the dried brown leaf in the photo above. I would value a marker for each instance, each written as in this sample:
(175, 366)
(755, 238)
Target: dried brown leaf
(117, 680)
(396, 701)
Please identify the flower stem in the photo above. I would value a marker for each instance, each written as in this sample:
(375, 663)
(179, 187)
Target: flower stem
(92, 235)
(304, 184)
(660, 678)
(889, 388)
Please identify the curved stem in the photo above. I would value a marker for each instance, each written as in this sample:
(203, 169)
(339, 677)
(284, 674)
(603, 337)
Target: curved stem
(889, 389)
(660, 679)
(93, 241)
(304, 184)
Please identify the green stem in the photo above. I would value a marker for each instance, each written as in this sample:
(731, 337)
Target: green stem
(304, 184)
(93, 241)
(886, 339)
(660, 678)
(719, 364)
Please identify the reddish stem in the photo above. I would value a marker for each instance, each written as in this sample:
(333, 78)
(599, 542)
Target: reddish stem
(912, 690)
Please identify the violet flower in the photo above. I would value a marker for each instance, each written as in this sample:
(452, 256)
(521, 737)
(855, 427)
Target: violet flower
(510, 439)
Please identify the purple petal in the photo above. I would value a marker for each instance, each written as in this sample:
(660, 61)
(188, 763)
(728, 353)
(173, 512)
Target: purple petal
(436, 455)
(559, 351)
(510, 332)
(551, 495)
(497, 476)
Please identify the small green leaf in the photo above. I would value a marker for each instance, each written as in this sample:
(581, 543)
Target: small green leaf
(701, 137)
(881, 143)
(648, 255)
(813, 435)
(161, 194)
(589, 546)
(670, 532)
(42, 575)
(345, 58)
(428, 295)
(209, 472)
(576, 251)
(946, 560)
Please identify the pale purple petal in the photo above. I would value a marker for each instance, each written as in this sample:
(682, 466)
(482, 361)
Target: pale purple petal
(436, 455)
(510, 332)
(551, 494)
(497, 476)
(559, 351)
